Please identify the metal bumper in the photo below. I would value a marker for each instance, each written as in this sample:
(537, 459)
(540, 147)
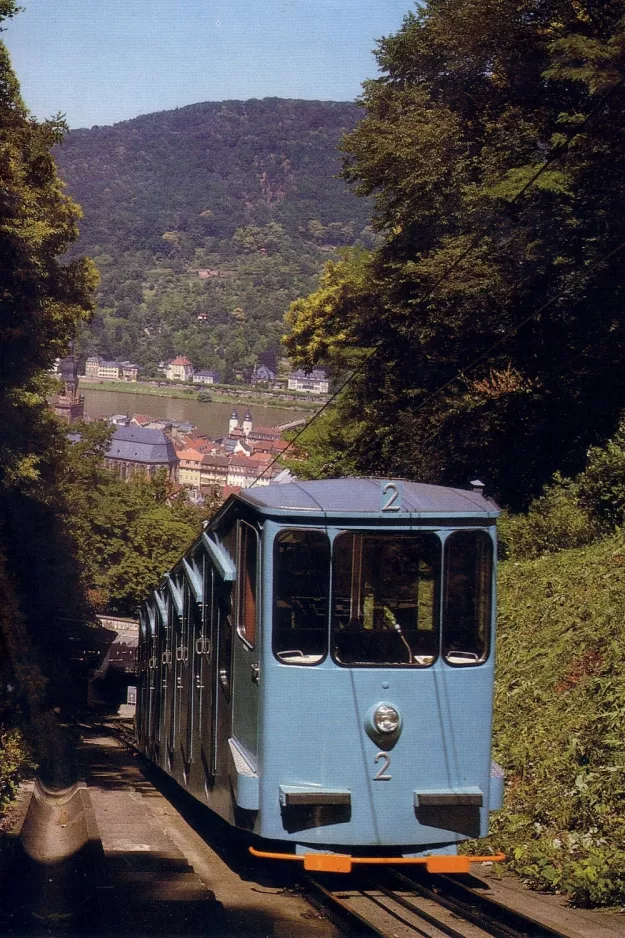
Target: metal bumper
(342, 863)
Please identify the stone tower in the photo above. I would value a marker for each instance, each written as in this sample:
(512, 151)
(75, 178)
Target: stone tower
(70, 405)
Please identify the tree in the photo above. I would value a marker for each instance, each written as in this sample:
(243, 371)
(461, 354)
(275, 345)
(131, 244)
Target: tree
(487, 327)
(127, 534)
(42, 299)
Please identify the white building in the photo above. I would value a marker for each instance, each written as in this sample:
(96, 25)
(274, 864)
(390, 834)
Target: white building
(314, 382)
(205, 377)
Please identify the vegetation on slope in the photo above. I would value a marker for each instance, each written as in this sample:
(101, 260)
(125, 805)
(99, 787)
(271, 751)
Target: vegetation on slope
(560, 697)
(244, 192)
(559, 714)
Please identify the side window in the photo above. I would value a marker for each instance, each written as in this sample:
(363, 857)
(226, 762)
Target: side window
(467, 597)
(225, 643)
(301, 588)
(247, 568)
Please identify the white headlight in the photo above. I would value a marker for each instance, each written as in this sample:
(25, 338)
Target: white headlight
(386, 719)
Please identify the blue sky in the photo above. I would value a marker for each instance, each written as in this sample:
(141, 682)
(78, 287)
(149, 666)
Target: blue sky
(102, 61)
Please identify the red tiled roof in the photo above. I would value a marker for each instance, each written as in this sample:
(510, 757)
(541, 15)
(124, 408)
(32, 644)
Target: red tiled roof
(181, 360)
(190, 455)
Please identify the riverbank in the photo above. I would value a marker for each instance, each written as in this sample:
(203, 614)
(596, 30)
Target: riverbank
(219, 396)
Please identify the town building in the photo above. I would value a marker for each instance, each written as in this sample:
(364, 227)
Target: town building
(180, 369)
(135, 450)
(97, 367)
(205, 377)
(262, 375)
(140, 420)
(244, 472)
(266, 434)
(130, 371)
(190, 468)
(214, 471)
(313, 382)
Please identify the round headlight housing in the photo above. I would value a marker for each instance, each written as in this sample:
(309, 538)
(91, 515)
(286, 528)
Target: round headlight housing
(386, 719)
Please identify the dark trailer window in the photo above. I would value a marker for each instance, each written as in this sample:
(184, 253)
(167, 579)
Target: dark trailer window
(301, 587)
(385, 600)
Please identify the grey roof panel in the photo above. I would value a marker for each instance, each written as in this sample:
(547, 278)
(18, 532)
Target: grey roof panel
(365, 496)
(138, 444)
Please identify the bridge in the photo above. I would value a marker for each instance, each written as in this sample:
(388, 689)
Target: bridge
(293, 424)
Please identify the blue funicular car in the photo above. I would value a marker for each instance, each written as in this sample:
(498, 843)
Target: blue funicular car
(318, 669)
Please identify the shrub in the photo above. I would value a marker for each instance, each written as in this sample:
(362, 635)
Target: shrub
(601, 486)
(555, 521)
(15, 760)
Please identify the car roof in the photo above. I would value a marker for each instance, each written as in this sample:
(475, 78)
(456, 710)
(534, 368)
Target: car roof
(369, 496)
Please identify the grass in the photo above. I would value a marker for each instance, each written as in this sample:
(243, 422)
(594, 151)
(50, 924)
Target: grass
(559, 718)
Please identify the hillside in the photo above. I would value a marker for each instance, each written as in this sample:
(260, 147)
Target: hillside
(559, 711)
(224, 211)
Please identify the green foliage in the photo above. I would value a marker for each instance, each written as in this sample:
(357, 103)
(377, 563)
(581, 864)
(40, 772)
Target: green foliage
(555, 521)
(464, 377)
(15, 761)
(572, 512)
(225, 211)
(601, 485)
(43, 297)
(559, 710)
(127, 534)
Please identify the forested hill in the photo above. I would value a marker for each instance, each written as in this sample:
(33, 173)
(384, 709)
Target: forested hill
(223, 210)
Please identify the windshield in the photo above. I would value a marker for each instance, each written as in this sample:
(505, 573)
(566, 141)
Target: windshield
(385, 599)
(387, 594)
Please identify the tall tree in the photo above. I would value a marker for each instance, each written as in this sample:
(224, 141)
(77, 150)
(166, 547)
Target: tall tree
(487, 329)
(42, 299)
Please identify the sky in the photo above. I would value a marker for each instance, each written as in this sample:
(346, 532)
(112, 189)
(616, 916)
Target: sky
(104, 61)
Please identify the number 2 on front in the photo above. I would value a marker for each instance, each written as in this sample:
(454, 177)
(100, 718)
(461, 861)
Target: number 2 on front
(386, 762)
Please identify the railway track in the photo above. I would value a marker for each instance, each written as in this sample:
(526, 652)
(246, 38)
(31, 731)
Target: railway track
(390, 904)
(393, 905)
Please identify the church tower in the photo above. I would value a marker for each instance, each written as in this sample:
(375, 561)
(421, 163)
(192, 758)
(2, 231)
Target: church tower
(233, 423)
(70, 405)
(247, 423)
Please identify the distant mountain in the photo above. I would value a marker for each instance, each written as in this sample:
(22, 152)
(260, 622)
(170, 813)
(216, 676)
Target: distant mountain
(206, 221)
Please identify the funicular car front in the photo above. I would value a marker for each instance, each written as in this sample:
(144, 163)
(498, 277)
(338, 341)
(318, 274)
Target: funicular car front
(377, 682)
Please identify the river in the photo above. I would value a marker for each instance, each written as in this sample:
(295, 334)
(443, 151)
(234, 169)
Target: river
(211, 419)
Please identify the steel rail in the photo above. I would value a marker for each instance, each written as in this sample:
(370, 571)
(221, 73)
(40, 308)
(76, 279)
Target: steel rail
(411, 907)
(486, 913)
(339, 911)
